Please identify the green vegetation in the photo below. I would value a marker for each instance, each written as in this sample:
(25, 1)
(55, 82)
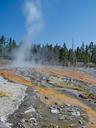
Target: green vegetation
(6, 47)
(49, 54)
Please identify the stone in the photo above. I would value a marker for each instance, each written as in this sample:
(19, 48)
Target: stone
(56, 126)
(72, 125)
(80, 121)
(75, 113)
(30, 109)
(62, 117)
(46, 97)
(54, 110)
(82, 96)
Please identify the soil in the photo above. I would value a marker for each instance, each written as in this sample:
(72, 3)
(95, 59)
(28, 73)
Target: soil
(42, 117)
(55, 98)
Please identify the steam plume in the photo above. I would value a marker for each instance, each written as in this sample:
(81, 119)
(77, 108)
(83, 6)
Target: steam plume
(34, 23)
(34, 19)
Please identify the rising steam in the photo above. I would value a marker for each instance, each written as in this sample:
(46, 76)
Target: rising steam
(32, 11)
(34, 19)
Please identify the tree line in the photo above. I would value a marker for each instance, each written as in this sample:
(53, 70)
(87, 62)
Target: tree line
(7, 45)
(49, 54)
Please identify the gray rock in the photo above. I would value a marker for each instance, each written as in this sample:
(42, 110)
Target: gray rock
(75, 113)
(55, 110)
(62, 117)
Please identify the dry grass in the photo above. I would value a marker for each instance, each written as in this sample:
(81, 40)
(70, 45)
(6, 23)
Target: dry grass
(4, 93)
(77, 88)
(90, 95)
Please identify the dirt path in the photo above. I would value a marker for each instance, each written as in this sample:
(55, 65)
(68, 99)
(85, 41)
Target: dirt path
(53, 96)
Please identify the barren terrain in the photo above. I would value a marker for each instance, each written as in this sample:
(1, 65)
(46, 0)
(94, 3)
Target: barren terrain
(55, 97)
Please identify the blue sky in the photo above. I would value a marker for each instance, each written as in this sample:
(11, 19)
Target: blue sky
(64, 20)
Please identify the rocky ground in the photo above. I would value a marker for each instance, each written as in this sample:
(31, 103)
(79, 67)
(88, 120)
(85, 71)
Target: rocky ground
(32, 113)
(11, 95)
(54, 98)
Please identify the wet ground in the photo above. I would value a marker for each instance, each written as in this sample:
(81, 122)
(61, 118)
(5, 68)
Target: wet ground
(32, 113)
(55, 98)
